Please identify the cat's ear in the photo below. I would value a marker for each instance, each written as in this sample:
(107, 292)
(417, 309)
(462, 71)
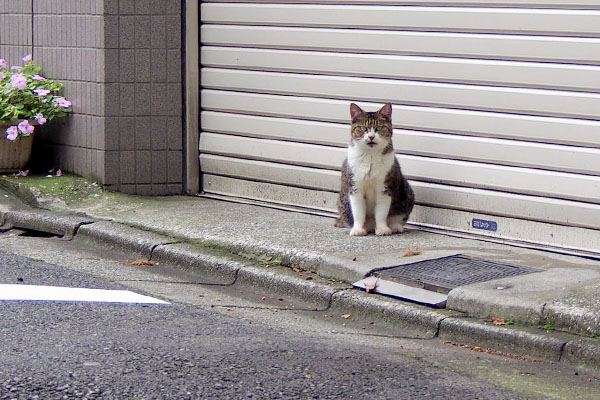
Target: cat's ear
(386, 111)
(355, 111)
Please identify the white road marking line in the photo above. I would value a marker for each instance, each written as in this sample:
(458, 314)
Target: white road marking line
(10, 292)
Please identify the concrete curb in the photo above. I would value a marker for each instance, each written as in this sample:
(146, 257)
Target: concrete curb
(471, 303)
(391, 312)
(575, 319)
(582, 352)
(534, 343)
(216, 267)
(227, 268)
(122, 237)
(44, 221)
(23, 192)
(529, 300)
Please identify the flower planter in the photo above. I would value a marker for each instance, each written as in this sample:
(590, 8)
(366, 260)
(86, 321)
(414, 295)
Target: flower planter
(14, 155)
(27, 99)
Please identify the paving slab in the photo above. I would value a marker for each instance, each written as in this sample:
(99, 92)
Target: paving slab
(402, 292)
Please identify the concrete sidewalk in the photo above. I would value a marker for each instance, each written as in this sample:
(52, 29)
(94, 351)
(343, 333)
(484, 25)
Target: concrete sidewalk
(559, 306)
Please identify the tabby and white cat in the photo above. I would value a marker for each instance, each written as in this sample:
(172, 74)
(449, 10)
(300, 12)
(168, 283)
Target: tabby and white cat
(374, 196)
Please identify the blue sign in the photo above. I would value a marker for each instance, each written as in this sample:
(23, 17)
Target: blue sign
(485, 225)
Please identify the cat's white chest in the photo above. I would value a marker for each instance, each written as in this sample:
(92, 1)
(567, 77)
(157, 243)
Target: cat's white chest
(369, 170)
(369, 167)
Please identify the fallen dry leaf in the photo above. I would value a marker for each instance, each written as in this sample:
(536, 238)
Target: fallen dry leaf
(498, 321)
(494, 352)
(345, 316)
(143, 263)
(353, 258)
(411, 253)
(373, 286)
(263, 298)
(298, 270)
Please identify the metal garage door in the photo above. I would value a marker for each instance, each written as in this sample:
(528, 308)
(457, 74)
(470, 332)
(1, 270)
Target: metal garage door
(496, 107)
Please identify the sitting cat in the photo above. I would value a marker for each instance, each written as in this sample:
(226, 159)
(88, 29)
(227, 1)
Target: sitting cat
(374, 195)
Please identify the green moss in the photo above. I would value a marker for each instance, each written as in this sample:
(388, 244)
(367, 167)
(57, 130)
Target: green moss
(72, 190)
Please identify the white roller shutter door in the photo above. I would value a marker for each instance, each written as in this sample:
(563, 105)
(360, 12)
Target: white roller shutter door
(496, 107)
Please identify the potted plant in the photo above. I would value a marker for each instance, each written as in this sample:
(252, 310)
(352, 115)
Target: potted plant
(27, 99)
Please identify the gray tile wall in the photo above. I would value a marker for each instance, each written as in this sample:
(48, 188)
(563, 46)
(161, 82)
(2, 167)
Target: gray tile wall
(120, 61)
(15, 30)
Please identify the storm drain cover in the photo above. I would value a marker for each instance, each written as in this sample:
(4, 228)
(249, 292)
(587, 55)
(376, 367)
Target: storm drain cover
(444, 274)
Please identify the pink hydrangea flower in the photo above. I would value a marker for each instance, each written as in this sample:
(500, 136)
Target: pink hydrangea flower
(27, 58)
(3, 63)
(37, 77)
(41, 92)
(40, 119)
(12, 133)
(16, 68)
(18, 81)
(1, 75)
(61, 101)
(25, 127)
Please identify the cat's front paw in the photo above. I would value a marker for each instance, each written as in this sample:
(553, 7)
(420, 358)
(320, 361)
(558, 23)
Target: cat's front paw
(383, 231)
(358, 231)
(397, 228)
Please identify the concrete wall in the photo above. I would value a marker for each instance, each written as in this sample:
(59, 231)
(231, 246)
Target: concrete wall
(121, 65)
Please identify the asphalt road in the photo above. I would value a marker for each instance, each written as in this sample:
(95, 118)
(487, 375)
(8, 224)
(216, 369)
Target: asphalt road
(221, 342)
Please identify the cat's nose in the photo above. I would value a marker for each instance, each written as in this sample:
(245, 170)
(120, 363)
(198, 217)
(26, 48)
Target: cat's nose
(371, 137)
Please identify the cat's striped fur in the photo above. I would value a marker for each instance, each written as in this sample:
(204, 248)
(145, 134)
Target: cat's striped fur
(374, 195)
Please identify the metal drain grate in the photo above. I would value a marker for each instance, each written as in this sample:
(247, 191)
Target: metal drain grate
(443, 274)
